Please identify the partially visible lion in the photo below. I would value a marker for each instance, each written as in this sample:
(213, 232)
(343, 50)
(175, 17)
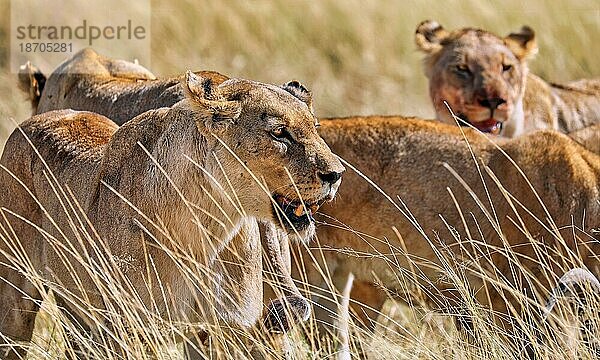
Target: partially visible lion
(588, 137)
(216, 142)
(436, 205)
(486, 82)
(92, 82)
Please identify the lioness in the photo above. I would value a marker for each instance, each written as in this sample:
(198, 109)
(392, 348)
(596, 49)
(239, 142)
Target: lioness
(213, 146)
(120, 91)
(486, 82)
(429, 167)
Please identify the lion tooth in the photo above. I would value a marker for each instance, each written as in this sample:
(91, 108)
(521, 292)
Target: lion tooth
(299, 210)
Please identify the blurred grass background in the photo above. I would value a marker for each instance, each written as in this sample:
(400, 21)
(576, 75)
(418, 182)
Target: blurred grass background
(357, 56)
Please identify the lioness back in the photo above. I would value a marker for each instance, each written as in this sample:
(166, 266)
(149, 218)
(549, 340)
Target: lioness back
(486, 82)
(434, 195)
(63, 138)
(114, 88)
(69, 133)
(575, 105)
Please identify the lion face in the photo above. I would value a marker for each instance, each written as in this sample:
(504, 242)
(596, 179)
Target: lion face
(266, 137)
(479, 75)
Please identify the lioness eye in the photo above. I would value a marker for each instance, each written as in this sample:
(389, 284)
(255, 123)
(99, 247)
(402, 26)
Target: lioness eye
(506, 67)
(278, 133)
(462, 68)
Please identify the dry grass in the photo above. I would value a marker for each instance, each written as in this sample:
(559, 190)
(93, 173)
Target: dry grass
(358, 58)
(127, 328)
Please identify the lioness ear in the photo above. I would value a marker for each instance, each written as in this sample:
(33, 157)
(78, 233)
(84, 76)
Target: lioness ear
(299, 91)
(522, 43)
(429, 36)
(213, 115)
(196, 86)
(31, 81)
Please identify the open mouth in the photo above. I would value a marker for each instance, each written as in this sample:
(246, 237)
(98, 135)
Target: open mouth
(491, 126)
(300, 215)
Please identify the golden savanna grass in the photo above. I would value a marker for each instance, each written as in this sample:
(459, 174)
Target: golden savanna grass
(358, 57)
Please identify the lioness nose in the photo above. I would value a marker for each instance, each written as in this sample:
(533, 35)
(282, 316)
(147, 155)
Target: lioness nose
(330, 177)
(491, 103)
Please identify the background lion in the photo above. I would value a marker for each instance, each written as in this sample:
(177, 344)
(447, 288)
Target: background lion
(113, 87)
(485, 80)
(440, 207)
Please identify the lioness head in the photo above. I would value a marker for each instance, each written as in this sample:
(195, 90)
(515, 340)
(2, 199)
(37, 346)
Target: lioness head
(264, 138)
(481, 76)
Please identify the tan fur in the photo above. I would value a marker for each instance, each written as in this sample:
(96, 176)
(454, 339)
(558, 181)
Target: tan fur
(468, 67)
(89, 154)
(588, 137)
(89, 90)
(92, 82)
(407, 158)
